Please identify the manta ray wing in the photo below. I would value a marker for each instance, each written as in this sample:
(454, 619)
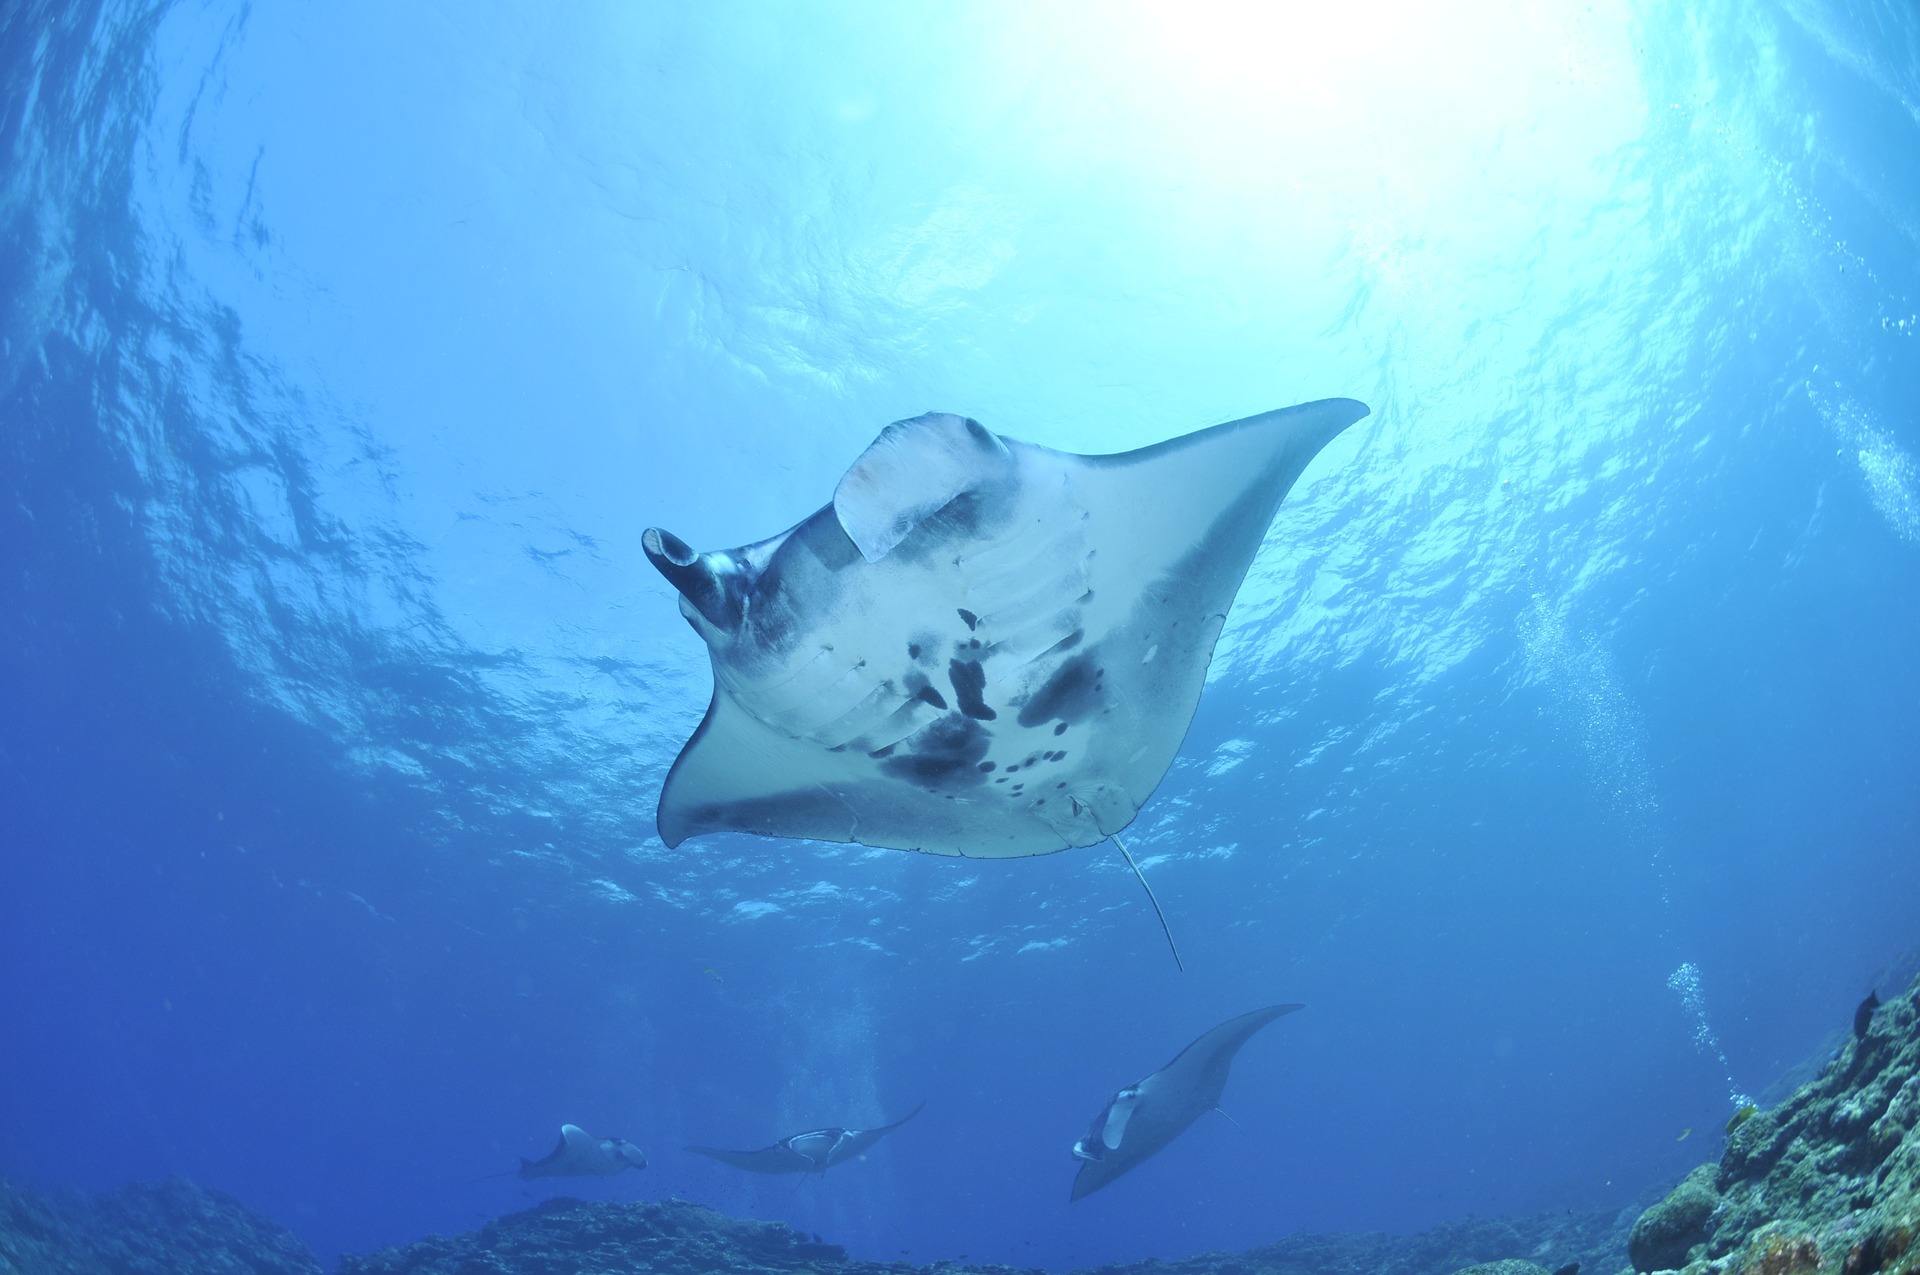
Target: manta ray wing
(981, 647)
(856, 1142)
(778, 1158)
(576, 1152)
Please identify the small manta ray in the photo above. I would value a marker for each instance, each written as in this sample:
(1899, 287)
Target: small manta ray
(814, 1151)
(579, 1154)
(980, 647)
(1144, 1117)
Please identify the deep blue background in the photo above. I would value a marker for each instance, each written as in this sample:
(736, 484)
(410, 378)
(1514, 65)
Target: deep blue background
(346, 356)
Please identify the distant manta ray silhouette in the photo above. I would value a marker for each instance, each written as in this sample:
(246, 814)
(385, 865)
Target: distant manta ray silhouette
(578, 1154)
(980, 647)
(814, 1151)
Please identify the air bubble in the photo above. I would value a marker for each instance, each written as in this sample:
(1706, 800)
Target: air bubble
(1686, 982)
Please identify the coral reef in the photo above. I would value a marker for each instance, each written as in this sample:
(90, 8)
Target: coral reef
(1594, 1242)
(158, 1228)
(569, 1236)
(1826, 1183)
(175, 1226)
(1666, 1232)
(564, 1236)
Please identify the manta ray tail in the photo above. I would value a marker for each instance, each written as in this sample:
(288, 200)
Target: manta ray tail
(885, 1128)
(1164, 927)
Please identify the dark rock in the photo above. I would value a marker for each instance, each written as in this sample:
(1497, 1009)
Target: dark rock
(1665, 1233)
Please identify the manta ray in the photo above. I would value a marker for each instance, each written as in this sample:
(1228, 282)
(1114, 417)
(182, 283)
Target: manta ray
(980, 646)
(814, 1151)
(1144, 1117)
(579, 1154)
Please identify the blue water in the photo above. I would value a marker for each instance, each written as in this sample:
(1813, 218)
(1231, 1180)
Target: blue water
(1560, 752)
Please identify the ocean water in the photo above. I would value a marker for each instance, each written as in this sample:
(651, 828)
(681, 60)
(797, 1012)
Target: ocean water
(1560, 752)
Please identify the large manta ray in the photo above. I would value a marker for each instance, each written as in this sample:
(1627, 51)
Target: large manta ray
(981, 647)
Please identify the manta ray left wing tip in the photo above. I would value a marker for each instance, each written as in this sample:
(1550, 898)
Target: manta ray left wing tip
(674, 816)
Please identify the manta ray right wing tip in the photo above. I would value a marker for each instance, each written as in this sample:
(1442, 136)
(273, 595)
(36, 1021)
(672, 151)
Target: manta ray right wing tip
(1330, 414)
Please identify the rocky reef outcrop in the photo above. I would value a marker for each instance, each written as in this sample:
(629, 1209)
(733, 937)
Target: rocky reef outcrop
(1826, 1183)
(566, 1236)
(1548, 1244)
(174, 1226)
(160, 1228)
(563, 1236)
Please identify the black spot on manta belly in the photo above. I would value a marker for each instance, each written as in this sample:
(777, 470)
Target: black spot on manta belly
(922, 690)
(973, 621)
(946, 754)
(969, 684)
(1072, 693)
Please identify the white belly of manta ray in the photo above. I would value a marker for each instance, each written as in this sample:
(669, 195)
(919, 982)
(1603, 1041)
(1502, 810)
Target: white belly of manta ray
(980, 646)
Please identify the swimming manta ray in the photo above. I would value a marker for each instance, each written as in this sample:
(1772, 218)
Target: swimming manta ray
(1142, 1118)
(980, 647)
(814, 1151)
(579, 1154)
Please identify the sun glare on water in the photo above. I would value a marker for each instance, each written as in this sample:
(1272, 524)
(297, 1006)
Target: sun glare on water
(1449, 112)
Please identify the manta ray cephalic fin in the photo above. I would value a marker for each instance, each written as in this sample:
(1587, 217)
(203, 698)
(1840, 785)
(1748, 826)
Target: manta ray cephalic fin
(915, 468)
